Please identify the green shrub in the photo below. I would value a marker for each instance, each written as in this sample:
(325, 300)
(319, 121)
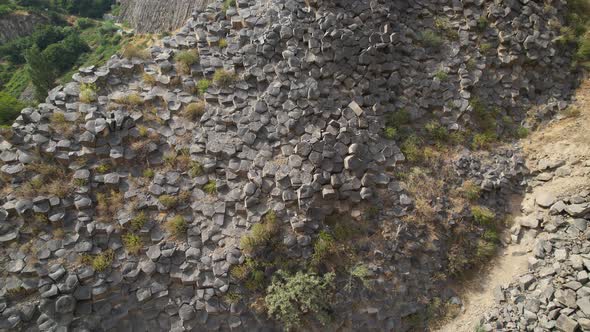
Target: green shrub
(222, 43)
(149, 79)
(194, 111)
(389, 132)
(131, 99)
(138, 221)
(10, 108)
(196, 169)
(168, 201)
(470, 190)
(223, 78)
(176, 226)
(411, 149)
(210, 187)
(323, 247)
(185, 59)
(260, 234)
(103, 168)
(399, 118)
(88, 93)
(100, 262)
(290, 297)
(484, 251)
(491, 235)
(482, 215)
(482, 23)
(437, 131)
(431, 39)
(203, 85)
(132, 243)
(485, 47)
(149, 173)
(522, 132)
(83, 23)
(227, 4)
(133, 51)
(483, 140)
(441, 75)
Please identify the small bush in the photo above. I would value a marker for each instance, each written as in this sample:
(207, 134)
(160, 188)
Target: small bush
(470, 190)
(168, 201)
(132, 99)
(133, 51)
(88, 93)
(138, 221)
(185, 59)
(441, 75)
(84, 23)
(484, 251)
(389, 132)
(149, 173)
(411, 149)
(572, 112)
(222, 43)
(290, 297)
(203, 85)
(132, 243)
(103, 168)
(108, 205)
(194, 111)
(227, 4)
(210, 187)
(176, 226)
(431, 39)
(149, 79)
(482, 23)
(482, 215)
(100, 262)
(485, 47)
(223, 78)
(522, 132)
(196, 169)
(323, 247)
(483, 140)
(436, 131)
(260, 234)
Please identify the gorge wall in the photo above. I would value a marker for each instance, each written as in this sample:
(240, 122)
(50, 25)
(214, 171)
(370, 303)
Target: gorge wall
(148, 16)
(19, 24)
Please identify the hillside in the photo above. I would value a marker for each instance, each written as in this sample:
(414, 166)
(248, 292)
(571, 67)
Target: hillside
(150, 16)
(328, 165)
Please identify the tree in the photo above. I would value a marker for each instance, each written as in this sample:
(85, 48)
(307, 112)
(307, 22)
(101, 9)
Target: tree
(40, 71)
(9, 109)
(290, 297)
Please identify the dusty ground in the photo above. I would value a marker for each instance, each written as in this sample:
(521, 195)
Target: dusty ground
(566, 140)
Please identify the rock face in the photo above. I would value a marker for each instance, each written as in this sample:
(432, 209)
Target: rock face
(149, 16)
(19, 25)
(296, 130)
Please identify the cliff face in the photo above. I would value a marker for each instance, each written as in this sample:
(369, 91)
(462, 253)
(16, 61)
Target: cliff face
(157, 16)
(18, 25)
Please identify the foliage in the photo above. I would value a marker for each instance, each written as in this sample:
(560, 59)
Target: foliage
(483, 140)
(227, 4)
(290, 297)
(149, 79)
(196, 169)
(103, 168)
(210, 187)
(223, 78)
(411, 149)
(108, 205)
(484, 250)
(261, 234)
(203, 85)
(148, 173)
(176, 226)
(522, 132)
(194, 111)
(37, 68)
(482, 215)
(185, 59)
(322, 248)
(10, 108)
(389, 132)
(88, 93)
(441, 75)
(132, 243)
(168, 201)
(222, 43)
(101, 261)
(437, 131)
(138, 221)
(430, 38)
(134, 51)
(470, 190)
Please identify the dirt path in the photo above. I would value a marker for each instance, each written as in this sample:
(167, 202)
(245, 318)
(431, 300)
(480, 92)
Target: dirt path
(567, 141)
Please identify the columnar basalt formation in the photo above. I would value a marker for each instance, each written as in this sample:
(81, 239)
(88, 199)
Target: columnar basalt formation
(297, 130)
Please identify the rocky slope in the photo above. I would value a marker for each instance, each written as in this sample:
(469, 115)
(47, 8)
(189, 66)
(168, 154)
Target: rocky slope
(19, 24)
(295, 131)
(149, 16)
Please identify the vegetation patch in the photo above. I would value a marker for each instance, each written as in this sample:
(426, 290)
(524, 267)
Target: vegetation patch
(185, 59)
(261, 234)
(223, 78)
(194, 111)
(176, 226)
(132, 243)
